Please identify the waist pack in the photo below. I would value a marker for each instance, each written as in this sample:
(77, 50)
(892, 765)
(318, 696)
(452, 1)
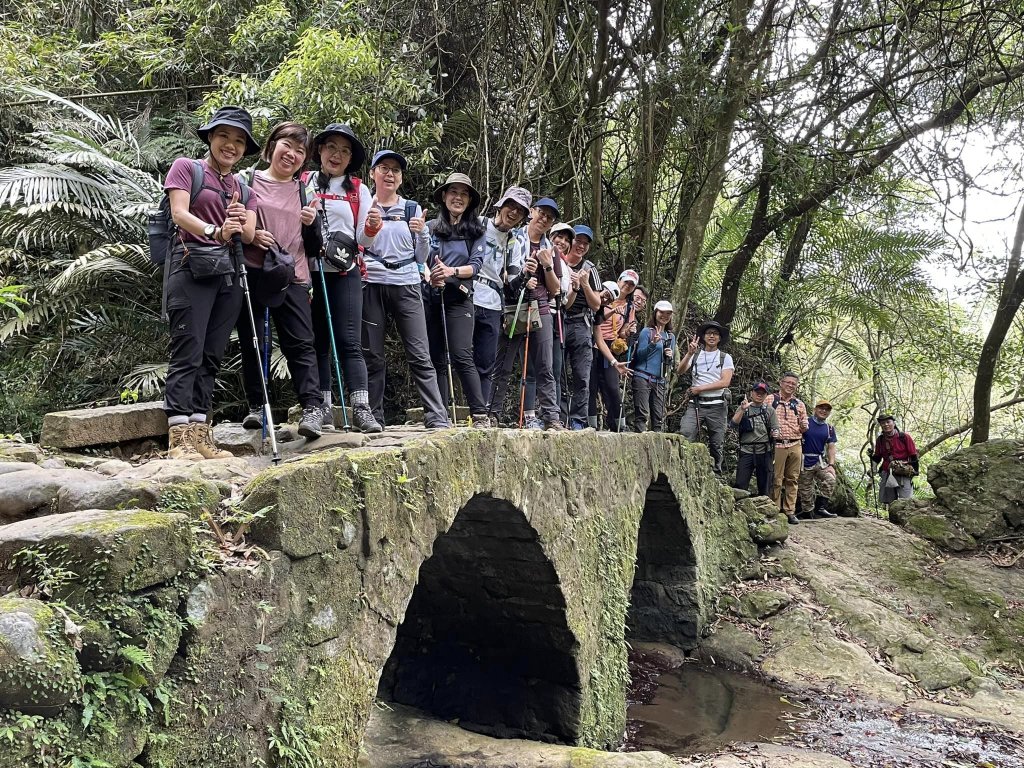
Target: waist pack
(514, 323)
(207, 262)
(340, 251)
(901, 468)
(270, 282)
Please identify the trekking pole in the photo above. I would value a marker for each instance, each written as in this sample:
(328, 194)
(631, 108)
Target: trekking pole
(526, 363)
(334, 347)
(266, 357)
(243, 278)
(448, 361)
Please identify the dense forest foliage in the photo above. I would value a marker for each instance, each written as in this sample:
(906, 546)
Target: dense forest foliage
(794, 169)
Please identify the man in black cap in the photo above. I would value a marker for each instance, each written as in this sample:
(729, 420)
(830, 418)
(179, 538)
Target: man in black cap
(708, 393)
(898, 454)
(758, 426)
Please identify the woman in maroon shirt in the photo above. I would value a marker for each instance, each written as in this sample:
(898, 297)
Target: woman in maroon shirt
(203, 294)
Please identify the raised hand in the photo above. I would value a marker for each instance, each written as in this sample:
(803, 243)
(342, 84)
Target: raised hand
(235, 209)
(308, 214)
(694, 342)
(417, 224)
(373, 216)
(545, 256)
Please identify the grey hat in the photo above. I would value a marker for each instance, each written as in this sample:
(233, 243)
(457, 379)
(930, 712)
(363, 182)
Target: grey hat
(517, 195)
(562, 227)
(458, 178)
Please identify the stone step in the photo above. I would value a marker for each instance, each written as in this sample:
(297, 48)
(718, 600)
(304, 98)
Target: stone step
(102, 426)
(295, 413)
(415, 415)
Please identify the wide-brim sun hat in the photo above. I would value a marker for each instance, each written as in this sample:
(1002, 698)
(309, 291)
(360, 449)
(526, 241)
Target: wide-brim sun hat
(384, 154)
(612, 288)
(518, 195)
(886, 417)
(341, 129)
(458, 178)
(713, 325)
(663, 306)
(236, 117)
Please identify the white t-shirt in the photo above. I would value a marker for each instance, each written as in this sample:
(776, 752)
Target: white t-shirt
(707, 370)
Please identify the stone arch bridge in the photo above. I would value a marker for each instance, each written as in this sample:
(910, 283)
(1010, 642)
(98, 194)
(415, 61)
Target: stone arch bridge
(490, 576)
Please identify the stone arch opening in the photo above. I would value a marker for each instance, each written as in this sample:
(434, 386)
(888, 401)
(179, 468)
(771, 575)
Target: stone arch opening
(664, 605)
(485, 637)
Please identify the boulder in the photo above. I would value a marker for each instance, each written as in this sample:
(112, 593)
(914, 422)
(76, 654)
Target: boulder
(981, 488)
(732, 647)
(766, 524)
(101, 426)
(18, 450)
(25, 493)
(761, 604)
(106, 550)
(116, 493)
(916, 516)
(38, 670)
(238, 440)
(933, 670)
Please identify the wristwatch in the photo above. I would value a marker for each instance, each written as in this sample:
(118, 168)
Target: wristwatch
(548, 269)
(209, 229)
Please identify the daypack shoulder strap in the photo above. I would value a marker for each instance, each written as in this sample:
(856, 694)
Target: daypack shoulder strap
(197, 181)
(410, 210)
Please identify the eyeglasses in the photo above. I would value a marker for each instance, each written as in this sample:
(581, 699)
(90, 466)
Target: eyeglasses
(337, 150)
(387, 170)
(545, 214)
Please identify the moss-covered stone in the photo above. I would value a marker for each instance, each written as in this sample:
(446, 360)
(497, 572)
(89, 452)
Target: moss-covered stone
(38, 669)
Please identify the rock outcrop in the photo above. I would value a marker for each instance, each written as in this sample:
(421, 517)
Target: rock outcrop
(979, 496)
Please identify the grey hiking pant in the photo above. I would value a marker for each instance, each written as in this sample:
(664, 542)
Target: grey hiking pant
(714, 419)
(538, 360)
(404, 303)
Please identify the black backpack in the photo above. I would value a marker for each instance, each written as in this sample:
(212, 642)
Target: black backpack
(161, 227)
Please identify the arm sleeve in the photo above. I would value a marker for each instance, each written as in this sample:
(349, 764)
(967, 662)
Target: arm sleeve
(365, 201)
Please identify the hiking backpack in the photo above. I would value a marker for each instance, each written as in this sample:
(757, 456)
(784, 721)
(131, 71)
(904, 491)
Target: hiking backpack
(160, 225)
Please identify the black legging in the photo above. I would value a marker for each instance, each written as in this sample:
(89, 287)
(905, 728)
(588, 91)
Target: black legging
(345, 293)
(459, 317)
(605, 379)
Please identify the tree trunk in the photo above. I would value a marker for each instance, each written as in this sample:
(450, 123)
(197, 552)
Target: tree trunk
(1011, 294)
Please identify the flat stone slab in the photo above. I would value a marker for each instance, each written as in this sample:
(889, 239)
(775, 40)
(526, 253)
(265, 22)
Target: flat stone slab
(237, 439)
(110, 550)
(415, 415)
(100, 426)
(337, 414)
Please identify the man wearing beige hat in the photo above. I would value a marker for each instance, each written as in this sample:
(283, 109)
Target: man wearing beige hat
(488, 295)
(818, 474)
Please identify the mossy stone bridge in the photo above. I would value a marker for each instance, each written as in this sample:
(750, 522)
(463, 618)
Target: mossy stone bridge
(486, 575)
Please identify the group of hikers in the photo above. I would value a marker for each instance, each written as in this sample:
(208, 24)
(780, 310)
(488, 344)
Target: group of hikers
(471, 294)
(331, 261)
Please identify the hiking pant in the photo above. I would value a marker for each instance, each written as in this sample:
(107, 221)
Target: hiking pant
(404, 303)
(648, 404)
(604, 379)
(579, 352)
(759, 462)
(345, 294)
(458, 348)
(294, 325)
(816, 481)
(904, 490)
(557, 355)
(789, 459)
(539, 359)
(486, 330)
(713, 418)
(201, 315)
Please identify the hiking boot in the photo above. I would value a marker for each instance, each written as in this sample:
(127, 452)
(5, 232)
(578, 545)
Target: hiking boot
(254, 419)
(326, 417)
(362, 418)
(534, 423)
(554, 426)
(202, 438)
(793, 519)
(482, 421)
(311, 422)
(820, 510)
(181, 443)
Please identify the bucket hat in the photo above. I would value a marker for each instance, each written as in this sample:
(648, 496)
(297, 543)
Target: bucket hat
(342, 129)
(236, 117)
(458, 178)
(386, 153)
(518, 195)
(713, 324)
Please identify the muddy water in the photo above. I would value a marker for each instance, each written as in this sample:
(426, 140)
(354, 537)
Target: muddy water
(681, 709)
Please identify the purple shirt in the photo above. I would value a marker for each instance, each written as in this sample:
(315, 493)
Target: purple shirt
(278, 208)
(212, 203)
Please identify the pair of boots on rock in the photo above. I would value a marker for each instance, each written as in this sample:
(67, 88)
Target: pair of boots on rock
(193, 442)
(820, 510)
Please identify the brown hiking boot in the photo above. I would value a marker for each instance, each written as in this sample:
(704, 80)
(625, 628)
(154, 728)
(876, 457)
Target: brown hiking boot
(202, 437)
(181, 443)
